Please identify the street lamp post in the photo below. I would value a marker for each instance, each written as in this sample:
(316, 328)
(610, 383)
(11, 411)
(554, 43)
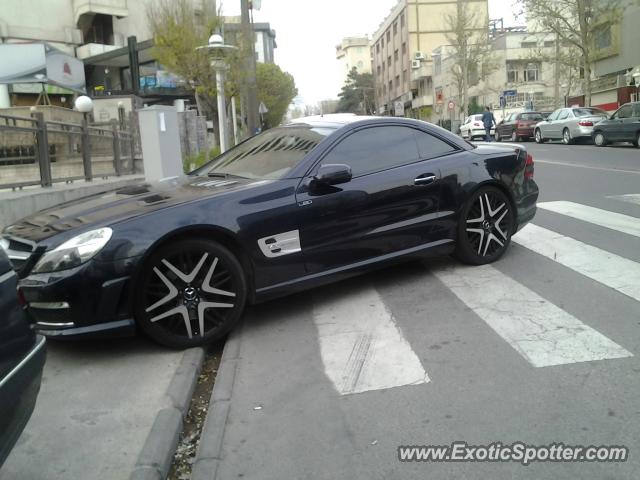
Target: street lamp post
(217, 51)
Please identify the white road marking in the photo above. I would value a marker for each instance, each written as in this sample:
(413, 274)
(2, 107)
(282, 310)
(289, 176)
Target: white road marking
(541, 332)
(607, 268)
(361, 346)
(629, 198)
(597, 216)
(588, 167)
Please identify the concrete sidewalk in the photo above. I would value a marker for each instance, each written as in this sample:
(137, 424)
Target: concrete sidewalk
(107, 409)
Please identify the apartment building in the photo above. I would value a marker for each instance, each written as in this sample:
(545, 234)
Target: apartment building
(354, 52)
(401, 51)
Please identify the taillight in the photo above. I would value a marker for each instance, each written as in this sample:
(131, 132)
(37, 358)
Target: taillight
(585, 123)
(528, 167)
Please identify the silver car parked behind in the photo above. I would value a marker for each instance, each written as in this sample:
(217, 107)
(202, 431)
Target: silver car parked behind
(569, 124)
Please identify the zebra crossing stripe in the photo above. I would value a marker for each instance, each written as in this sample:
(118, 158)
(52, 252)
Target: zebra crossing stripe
(604, 267)
(629, 198)
(538, 330)
(614, 221)
(361, 346)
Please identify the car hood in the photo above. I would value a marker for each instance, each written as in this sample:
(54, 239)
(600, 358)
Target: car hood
(116, 205)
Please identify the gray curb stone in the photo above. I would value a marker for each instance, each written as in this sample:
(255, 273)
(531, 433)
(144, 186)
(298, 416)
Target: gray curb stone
(210, 449)
(157, 452)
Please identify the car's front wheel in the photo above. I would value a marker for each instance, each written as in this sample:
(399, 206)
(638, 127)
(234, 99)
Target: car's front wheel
(538, 136)
(514, 136)
(566, 137)
(599, 139)
(190, 293)
(497, 136)
(485, 227)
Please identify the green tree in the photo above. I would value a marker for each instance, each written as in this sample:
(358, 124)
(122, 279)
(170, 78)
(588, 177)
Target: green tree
(276, 89)
(357, 94)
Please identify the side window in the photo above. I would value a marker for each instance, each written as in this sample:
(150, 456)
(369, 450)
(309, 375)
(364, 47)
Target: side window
(636, 111)
(624, 112)
(374, 149)
(430, 146)
(563, 114)
(553, 116)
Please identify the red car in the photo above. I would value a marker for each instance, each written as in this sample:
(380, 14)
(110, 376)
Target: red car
(518, 126)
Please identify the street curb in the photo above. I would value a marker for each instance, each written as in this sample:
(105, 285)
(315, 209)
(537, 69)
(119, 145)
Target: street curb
(210, 449)
(157, 452)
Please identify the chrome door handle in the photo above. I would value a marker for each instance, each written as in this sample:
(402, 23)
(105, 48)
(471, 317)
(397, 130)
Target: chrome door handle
(426, 180)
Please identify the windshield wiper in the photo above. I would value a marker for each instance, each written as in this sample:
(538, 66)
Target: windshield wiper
(224, 175)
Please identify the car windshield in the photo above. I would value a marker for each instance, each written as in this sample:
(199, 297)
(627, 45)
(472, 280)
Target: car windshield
(531, 116)
(588, 112)
(477, 117)
(270, 155)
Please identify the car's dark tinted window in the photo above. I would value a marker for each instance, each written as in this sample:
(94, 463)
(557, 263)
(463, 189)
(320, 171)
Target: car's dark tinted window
(588, 112)
(374, 149)
(636, 111)
(430, 146)
(270, 155)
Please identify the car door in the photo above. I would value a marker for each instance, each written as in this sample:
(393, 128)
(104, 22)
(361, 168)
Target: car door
(503, 127)
(628, 124)
(464, 129)
(390, 204)
(558, 125)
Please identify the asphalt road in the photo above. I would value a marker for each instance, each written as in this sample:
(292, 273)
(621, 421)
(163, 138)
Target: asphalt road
(542, 347)
(96, 406)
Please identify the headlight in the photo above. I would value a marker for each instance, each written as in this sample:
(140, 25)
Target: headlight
(74, 252)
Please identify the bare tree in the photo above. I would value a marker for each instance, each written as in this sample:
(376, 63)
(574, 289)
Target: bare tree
(473, 59)
(576, 24)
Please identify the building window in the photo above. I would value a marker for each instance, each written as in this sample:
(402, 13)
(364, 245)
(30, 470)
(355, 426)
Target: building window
(397, 81)
(404, 49)
(378, 69)
(388, 36)
(382, 42)
(437, 64)
(404, 77)
(390, 86)
(549, 43)
(402, 20)
(378, 47)
(360, 65)
(395, 28)
(389, 61)
(512, 73)
(395, 55)
(529, 44)
(602, 36)
(532, 72)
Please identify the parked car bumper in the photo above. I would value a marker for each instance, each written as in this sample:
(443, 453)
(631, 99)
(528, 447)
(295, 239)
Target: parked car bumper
(581, 132)
(18, 392)
(526, 132)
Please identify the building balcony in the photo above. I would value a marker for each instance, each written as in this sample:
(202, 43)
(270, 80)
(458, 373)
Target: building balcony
(116, 8)
(417, 74)
(422, 101)
(92, 49)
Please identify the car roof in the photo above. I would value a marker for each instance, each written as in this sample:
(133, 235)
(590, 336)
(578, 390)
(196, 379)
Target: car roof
(335, 120)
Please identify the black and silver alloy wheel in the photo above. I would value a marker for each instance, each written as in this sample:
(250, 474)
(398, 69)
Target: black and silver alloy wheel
(566, 137)
(538, 136)
(191, 293)
(485, 227)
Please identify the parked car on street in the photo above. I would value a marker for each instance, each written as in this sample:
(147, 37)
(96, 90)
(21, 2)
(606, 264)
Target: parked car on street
(22, 355)
(473, 128)
(517, 126)
(623, 126)
(295, 207)
(569, 124)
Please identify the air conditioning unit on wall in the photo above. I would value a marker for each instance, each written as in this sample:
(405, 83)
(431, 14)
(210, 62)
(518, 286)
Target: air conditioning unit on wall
(418, 56)
(415, 64)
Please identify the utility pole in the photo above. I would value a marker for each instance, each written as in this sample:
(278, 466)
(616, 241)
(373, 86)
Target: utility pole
(556, 75)
(251, 88)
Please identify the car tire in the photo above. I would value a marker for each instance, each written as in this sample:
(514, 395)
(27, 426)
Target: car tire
(566, 137)
(599, 140)
(497, 136)
(537, 136)
(190, 293)
(514, 136)
(485, 227)
(637, 142)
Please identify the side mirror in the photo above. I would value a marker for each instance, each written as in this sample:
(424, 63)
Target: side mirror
(333, 174)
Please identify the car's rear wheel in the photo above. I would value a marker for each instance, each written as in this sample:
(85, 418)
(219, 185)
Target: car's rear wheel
(497, 136)
(190, 293)
(514, 136)
(485, 227)
(599, 139)
(637, 142)
(566, 137)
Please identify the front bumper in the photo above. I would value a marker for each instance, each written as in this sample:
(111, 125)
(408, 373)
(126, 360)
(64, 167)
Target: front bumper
(93, 299)
(525, 132)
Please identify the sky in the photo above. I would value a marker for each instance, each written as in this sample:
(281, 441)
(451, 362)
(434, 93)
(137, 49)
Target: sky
(307, 32)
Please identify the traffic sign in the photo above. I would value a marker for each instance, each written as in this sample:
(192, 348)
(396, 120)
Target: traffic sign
(262, 108)
(399, 109)
(451, 105)
(510, 93)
